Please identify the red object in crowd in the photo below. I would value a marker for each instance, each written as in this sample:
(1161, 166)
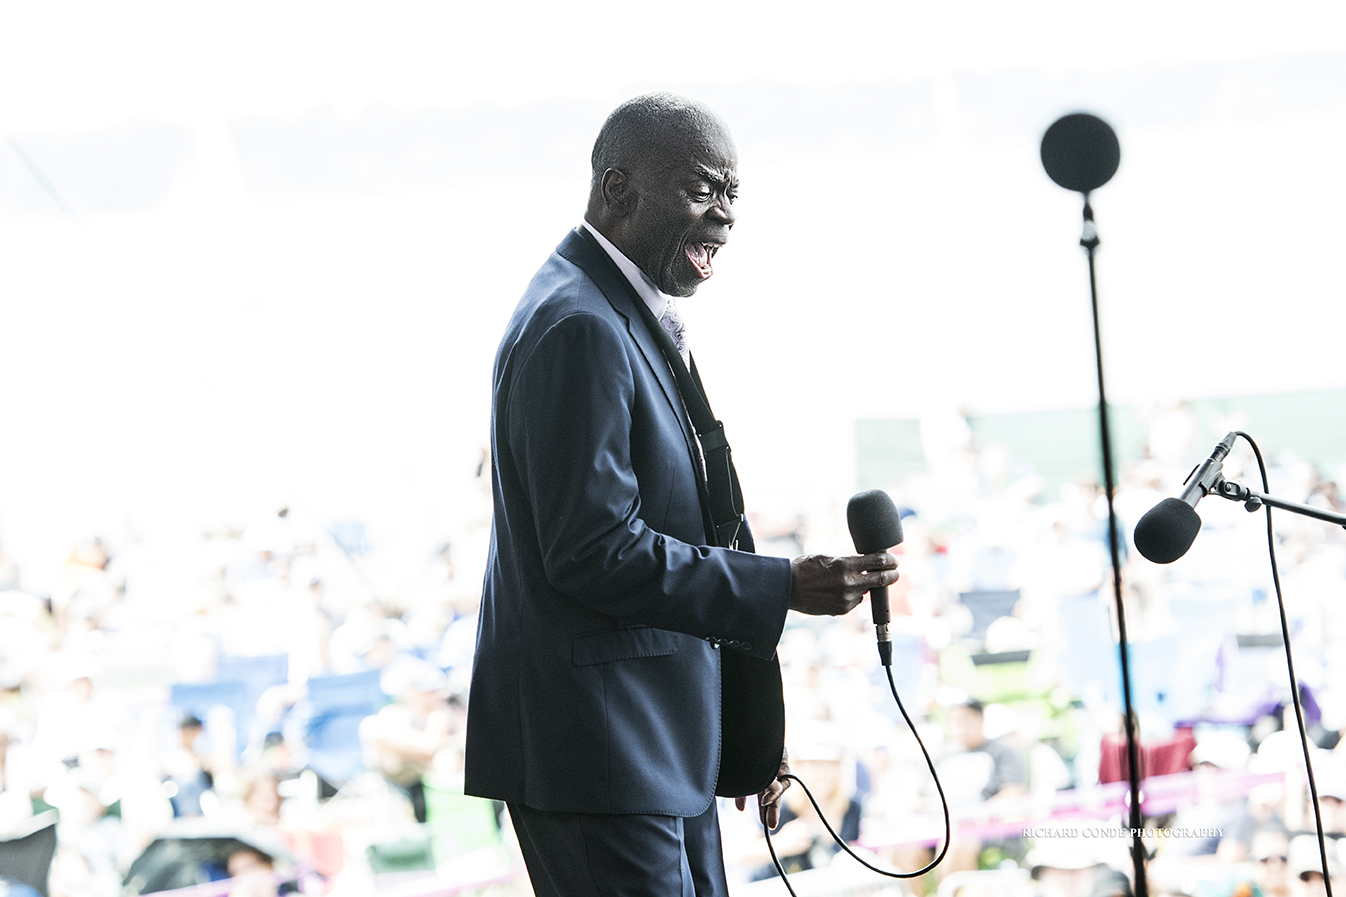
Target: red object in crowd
(324, 851)
(1159, 758)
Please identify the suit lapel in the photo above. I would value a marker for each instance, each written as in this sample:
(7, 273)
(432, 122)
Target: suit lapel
(583, 250)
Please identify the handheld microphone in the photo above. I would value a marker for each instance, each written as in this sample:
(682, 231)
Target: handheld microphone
(875, 526)
(1169, 528)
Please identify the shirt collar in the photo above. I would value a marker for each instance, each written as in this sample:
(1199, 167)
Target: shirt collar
(656, 299)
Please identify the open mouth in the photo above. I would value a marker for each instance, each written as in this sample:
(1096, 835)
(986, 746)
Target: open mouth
(700, 254)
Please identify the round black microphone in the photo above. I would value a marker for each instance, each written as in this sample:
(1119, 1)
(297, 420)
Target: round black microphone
(1080, 152)
(875, 526)
(1167, 530)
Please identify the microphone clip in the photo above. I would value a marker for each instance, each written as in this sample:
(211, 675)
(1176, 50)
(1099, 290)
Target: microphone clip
(1236, 492)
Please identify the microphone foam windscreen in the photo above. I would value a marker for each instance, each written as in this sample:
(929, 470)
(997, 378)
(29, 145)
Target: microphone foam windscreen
(1167, 530)
(873, 521)
(1080, 152)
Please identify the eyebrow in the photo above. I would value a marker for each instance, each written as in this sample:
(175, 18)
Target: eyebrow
(714, 177)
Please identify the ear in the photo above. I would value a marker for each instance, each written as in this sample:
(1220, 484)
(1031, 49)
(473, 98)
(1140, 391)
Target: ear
(618, 196)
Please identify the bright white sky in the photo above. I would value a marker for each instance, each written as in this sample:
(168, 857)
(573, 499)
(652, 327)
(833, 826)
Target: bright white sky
(239, 344)
(79, 65)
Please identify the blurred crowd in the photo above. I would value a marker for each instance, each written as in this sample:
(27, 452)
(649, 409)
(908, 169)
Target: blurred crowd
(258, 706)
(165, 707)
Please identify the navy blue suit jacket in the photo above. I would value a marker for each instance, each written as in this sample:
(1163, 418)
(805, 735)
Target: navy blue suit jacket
(596, 684)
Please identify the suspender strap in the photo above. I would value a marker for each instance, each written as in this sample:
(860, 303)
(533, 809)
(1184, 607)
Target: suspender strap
(726, 499)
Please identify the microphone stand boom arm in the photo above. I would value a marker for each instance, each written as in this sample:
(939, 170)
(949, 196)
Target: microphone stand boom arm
(1253, 501)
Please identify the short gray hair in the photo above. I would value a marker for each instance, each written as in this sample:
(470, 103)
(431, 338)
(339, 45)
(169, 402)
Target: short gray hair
(647, 124)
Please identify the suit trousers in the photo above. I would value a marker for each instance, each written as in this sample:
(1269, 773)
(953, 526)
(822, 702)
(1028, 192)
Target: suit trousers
(592, 855)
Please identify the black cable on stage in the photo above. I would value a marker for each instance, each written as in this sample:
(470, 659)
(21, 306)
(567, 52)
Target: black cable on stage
(780, 870)
(1290, 666)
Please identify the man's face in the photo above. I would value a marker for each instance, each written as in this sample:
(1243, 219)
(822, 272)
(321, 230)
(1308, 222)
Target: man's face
(683, 211)
(965, 727)
(1268, 853)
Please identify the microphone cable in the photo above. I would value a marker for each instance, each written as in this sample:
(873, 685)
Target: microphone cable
(1290, 664)
(1294, 694)
(780, 870)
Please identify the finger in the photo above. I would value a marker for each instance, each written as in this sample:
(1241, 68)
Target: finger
(861, 572)
(881, 560)
(882, 578)
(771, 816)
(741, 803)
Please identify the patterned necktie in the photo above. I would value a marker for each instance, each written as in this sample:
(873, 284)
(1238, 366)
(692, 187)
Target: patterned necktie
(676, 329)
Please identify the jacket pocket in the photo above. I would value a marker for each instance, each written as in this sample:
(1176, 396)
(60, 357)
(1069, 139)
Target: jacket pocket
(622, 644)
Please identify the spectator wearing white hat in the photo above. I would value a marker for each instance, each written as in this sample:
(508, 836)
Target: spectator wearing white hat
(1065, 866)
(1269, 855)
(1306, 866)
(1214, 756)
(1331, 786)
(819, 759)
(404, 738)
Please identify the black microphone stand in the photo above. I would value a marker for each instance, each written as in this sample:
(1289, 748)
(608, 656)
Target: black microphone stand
(1080, 152)
(1089, 240)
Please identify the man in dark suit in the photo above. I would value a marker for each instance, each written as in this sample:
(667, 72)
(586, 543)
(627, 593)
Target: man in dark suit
(596, 692)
